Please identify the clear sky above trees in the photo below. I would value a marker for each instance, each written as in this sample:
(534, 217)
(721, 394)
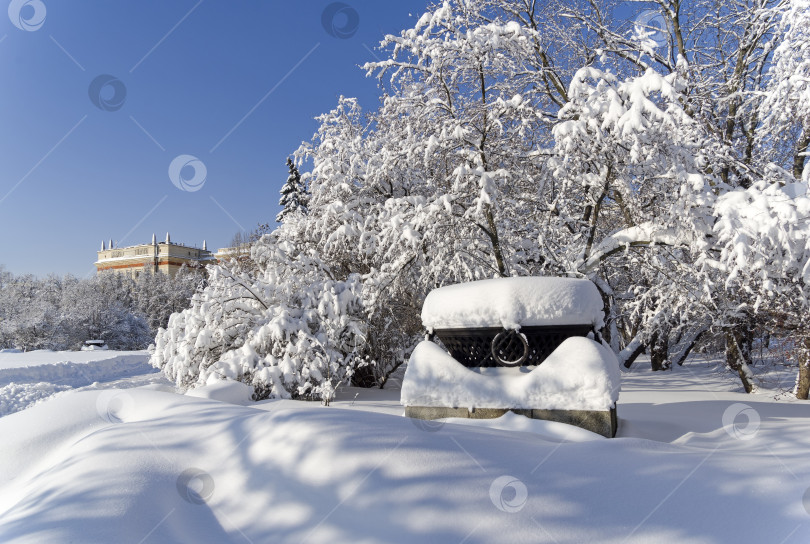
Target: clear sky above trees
(235, 85)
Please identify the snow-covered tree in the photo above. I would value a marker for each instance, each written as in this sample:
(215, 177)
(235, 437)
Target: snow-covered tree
(29, 313)
(294, 195)
(463, 112)
(219, 318)
(60, 313)
(632, 200)
(525, 138)
(103, 308)
(157, 296)
(786, 108)
(764, 236)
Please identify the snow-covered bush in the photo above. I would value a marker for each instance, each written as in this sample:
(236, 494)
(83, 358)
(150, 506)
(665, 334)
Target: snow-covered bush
(295, 331)
(218, 319)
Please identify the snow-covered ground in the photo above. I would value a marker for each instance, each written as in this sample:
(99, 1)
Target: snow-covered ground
(27, 378)
(695, 461)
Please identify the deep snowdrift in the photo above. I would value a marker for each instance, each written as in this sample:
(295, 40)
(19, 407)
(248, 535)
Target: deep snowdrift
(150, 466)
(27, 378)
(72, 368)
(13, 360)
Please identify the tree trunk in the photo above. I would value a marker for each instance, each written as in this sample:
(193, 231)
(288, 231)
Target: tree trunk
(611, 330)
(496, 243)
(680, 358)
(802, 146)
(803, 386)
(629, 354)
(748, 340)
(738, 358)
(803, 381)
(659, 350)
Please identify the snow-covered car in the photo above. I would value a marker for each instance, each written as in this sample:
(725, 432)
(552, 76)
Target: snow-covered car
(528, 345)
(94, 345)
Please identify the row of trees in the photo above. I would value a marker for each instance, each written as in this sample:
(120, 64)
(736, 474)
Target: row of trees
(60, 313)
(667, 163)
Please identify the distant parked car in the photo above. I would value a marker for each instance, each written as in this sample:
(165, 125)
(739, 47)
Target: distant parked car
(93, 345)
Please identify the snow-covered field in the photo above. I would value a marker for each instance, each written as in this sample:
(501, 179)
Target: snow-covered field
(26, 378)
(695, 461)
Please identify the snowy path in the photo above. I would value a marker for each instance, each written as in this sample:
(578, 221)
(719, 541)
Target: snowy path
(28, 378)
(695, 462)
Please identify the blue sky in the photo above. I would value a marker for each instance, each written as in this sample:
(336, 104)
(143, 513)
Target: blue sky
(235, 84)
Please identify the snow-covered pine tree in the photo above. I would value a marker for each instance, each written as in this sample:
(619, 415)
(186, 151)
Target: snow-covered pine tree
(294, 195)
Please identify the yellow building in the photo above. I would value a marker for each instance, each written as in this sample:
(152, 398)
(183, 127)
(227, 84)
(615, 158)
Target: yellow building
(166, 257)
(234, 253)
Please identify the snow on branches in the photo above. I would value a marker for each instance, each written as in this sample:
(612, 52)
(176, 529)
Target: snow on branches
(496, 151)
(632, 151)
(787, 101)
(764, 239)
(293, 332)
